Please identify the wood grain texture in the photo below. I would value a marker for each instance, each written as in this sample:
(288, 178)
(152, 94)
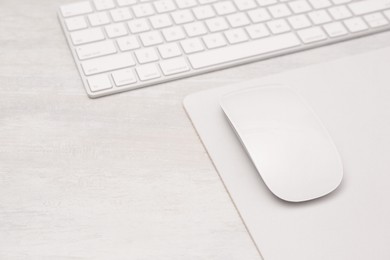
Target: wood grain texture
(120, 177)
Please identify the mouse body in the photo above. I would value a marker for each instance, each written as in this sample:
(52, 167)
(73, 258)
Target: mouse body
(287, 143)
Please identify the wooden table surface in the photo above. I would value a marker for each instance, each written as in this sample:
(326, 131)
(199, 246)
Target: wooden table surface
(120, 177)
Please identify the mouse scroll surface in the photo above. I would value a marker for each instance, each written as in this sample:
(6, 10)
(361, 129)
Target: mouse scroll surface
(286, 141)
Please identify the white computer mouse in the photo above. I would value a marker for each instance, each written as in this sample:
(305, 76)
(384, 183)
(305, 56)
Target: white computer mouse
(286, 141)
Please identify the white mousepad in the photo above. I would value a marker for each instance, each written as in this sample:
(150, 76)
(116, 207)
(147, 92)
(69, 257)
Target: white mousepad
(352, 98)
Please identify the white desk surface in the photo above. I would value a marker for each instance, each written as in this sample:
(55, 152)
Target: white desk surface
(120, 177)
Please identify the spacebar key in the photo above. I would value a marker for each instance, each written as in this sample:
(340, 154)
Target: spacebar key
(244, 50)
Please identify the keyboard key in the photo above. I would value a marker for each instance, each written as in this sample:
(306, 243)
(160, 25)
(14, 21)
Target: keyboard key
(300, 6)
(94, 50)
(278, 26)
(151, 38)
(217, 24)
(99, 83)
(299, 21)
(318, 4)
(124, 77)
(143, 10)
(116, 30)
(139, 25)
(387, 13)
(215, 40)
(173, 34)
(76, 23)
(128, 43)
(356, 24)
(174, 66)
(257, 31)
(337, 2)
(320, 17)
(335, 29)
(182, 16)
(238, 19)
(107, 63)
(280, 10)
(313, 34)
(86, 36)
(340, 12)
(243, 5)
(192, 45)
(160, 21)
(375, 20)
(163, 6)
(243, 50)
(169, 50)
(224, 7)
(259, 15)
(97, 19)
(146, 55)
(207, 1)
(236, 36)
(186, 3)
(120, 14)
(203, 12)
(195, 29)
(76, 9)
(148, 72)
(369, 6)
(103, 4)
(126, 2)
(266, 2)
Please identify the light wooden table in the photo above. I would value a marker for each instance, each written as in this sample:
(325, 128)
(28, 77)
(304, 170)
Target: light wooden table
(120, 177)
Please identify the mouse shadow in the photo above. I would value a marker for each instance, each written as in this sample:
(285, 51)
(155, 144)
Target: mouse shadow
(324, 199)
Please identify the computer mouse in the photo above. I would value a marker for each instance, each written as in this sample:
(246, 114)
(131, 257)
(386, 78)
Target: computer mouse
(286, 141)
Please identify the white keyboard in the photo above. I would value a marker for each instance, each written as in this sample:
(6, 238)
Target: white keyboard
(120, 45)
